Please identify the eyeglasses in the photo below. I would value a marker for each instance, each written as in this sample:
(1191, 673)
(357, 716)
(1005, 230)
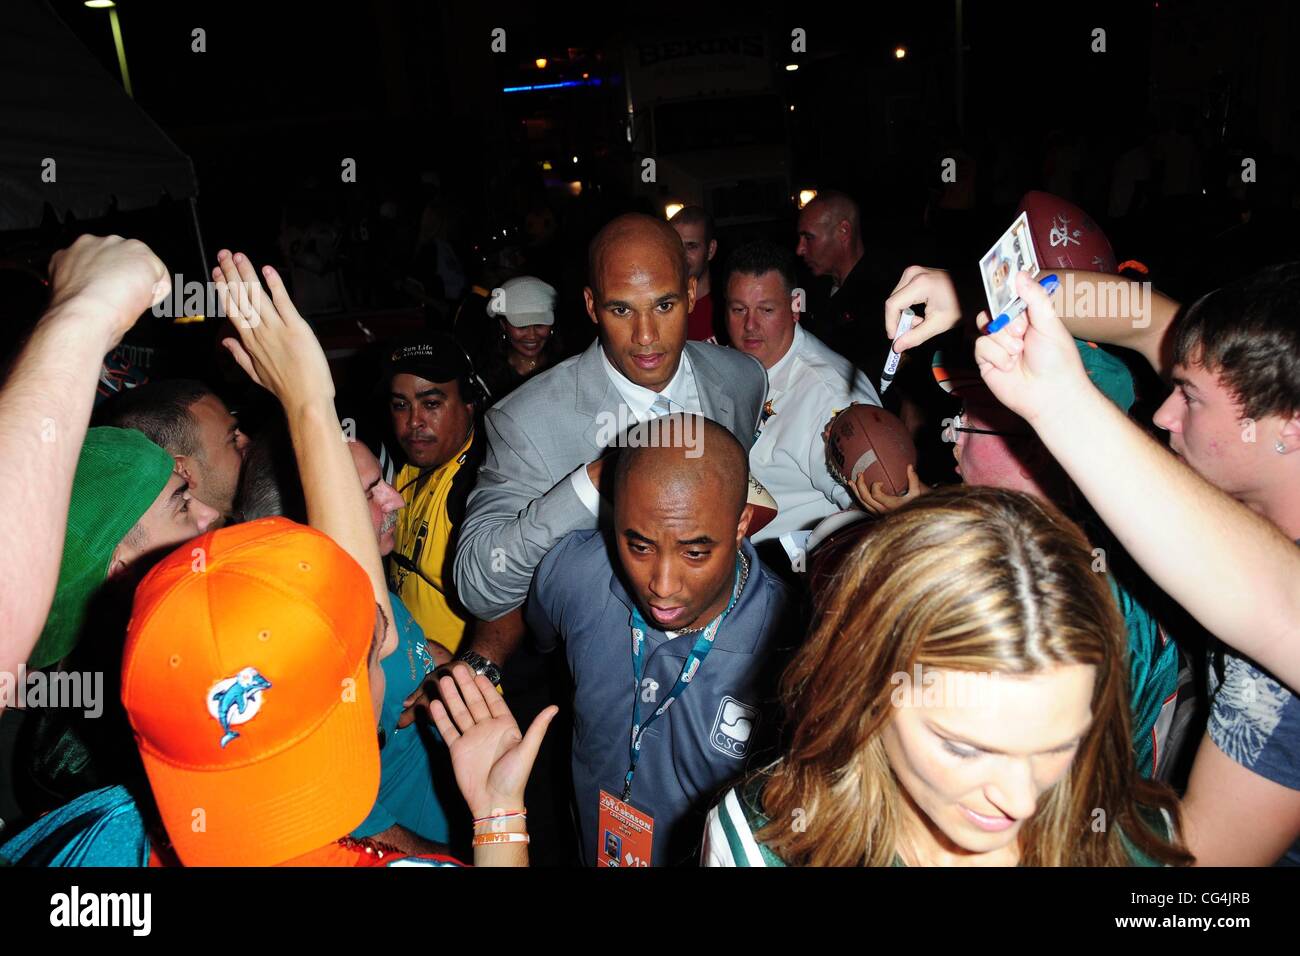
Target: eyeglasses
(951, 426)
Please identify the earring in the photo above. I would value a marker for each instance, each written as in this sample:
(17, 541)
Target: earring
(1279, 447)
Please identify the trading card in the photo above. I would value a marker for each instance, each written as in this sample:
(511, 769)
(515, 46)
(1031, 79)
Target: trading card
(1012, 253)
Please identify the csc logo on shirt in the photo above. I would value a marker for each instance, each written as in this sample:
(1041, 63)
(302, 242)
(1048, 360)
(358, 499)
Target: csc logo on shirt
(733, 728)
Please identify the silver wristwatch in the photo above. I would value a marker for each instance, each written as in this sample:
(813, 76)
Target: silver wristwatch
(481, 665)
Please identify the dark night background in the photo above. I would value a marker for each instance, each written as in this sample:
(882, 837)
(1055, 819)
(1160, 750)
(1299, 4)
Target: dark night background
(285, 91)
(449, 163)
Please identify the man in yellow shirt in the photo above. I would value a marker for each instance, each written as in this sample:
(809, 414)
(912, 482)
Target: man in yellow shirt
(432, 400)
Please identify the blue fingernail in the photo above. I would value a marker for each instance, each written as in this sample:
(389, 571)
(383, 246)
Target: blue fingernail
(997, 324)
(1050, 283)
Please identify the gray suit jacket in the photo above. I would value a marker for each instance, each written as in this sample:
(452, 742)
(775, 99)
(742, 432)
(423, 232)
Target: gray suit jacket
(538, 434)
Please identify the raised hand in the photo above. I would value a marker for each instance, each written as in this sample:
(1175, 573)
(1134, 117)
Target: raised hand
(491, 759)
(1032, 364)
(932, 288)
(276, 346)
(111, 281)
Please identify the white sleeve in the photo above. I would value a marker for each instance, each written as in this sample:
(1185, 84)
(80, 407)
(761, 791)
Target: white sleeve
(716, 850)
(862, 391)
(586, 491)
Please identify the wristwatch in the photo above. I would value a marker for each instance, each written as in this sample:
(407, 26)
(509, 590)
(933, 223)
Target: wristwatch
(481, 665)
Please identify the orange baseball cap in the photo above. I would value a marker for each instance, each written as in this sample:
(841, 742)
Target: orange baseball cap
(245, 680)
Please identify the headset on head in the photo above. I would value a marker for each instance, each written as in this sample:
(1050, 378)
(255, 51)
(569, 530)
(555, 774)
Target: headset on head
(480, 393)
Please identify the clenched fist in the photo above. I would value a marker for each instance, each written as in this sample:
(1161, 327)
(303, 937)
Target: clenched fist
(111, 281)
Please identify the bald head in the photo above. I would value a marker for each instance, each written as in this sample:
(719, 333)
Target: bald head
(680, 515)
(632, 240)
(830, 235)
(698, 458)
(639, 296)
(837, 207)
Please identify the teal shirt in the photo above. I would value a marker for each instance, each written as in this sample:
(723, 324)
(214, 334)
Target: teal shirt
(406, 794)
(100, 828)
(1153, 678)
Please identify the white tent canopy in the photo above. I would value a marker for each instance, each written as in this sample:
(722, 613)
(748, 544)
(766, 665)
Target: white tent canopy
(65, 120)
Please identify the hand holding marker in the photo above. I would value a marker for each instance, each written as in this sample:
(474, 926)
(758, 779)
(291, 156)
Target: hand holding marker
(905, 319)
(1050, 284)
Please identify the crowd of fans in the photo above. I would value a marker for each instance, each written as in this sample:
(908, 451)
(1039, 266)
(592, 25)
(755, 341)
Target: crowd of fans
(320, 622)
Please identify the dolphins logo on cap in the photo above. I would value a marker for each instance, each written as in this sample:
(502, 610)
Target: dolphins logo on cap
(236, 700)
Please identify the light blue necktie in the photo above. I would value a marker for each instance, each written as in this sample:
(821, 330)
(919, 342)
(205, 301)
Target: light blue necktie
(661, 407)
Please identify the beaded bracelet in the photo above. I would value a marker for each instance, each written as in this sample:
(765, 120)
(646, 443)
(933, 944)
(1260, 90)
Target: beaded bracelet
(489, 839)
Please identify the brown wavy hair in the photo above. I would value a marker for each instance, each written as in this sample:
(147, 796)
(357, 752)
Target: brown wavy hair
(968, 579)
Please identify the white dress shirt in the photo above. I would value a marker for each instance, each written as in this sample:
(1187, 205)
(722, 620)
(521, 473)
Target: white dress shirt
(680, 392)
(804, 390)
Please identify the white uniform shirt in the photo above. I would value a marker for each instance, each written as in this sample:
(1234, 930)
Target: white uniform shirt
(804, 389)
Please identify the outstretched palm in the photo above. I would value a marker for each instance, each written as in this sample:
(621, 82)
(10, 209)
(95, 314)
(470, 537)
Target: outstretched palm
(490, 757)
(276, 346)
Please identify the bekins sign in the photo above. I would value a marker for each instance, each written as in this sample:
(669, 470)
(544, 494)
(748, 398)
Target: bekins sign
(744, 44)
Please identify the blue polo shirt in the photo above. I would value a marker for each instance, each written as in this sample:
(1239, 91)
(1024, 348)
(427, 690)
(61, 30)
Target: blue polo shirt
(705, 740)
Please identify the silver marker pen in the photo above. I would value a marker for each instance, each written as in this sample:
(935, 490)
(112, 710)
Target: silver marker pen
(891, 363)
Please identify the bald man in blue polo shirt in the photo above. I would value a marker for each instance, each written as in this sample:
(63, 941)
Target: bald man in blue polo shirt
(674, 633)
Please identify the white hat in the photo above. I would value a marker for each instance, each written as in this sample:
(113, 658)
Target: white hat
(524, 301)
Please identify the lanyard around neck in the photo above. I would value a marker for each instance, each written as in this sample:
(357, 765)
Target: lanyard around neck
(703, 644)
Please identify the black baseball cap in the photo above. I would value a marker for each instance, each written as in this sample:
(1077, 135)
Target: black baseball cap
(437, 358)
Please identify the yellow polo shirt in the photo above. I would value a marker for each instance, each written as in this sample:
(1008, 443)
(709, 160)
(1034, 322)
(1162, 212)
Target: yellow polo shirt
(422, 533)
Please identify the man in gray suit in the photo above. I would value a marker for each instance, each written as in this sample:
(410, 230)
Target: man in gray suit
(545, 440)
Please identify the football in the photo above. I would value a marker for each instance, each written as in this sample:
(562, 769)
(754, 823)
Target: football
(868, 438)
(764, 506)
(1065, 236)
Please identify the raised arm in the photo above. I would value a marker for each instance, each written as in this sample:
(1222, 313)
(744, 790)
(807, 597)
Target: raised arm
(101, 285)
(1225, 564)
(491, 760)
(279, 351)
(1094, 306)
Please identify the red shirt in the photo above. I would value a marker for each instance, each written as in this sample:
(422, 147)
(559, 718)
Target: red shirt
(344, 853)
(699, 324)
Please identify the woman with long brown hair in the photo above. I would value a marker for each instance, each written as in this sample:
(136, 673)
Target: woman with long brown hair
(961, 700)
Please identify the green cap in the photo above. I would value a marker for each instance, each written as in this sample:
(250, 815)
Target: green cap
(119, 475)
(1108, 373)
